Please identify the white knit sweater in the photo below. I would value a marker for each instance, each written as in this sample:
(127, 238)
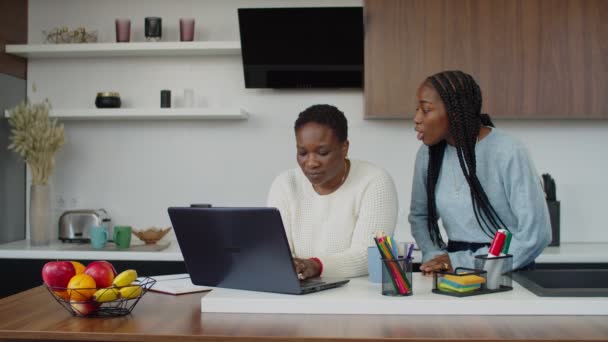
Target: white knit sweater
(336, 228)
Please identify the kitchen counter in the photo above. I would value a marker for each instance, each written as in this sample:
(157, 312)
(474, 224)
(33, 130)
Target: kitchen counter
(575, 253)
(361, 297)
(58, 250)
(566, 253)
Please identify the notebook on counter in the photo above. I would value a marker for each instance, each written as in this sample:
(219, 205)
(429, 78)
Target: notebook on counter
(176, 284)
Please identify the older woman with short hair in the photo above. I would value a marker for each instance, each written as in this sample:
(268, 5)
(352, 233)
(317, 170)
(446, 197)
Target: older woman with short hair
(331, 206)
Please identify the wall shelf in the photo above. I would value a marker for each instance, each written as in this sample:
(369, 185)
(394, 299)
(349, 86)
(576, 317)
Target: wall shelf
(136, 49)
(148, 114)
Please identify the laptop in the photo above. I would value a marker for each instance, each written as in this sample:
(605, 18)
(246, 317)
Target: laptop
(240, 248)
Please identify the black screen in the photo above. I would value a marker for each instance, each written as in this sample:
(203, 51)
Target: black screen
(302, 47)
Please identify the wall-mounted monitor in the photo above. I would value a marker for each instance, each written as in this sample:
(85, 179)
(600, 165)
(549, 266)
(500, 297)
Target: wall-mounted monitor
(312, 47)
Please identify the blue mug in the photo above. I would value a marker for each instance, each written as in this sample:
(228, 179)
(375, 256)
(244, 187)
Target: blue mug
(374, 262)
(99, 236)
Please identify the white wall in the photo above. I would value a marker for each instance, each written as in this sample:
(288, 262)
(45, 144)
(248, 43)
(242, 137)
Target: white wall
(137, 169)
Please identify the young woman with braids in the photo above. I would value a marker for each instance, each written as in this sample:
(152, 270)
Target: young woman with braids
(472, 176)
(330, 205)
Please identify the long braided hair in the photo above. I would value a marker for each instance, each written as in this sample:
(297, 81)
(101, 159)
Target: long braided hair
(461, 96)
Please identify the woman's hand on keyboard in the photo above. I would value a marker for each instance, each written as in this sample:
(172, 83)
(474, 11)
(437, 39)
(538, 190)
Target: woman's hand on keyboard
(306, 268)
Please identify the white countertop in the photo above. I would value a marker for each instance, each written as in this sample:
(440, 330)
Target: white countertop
(360, 296)
(22, 249)
(566, 253)
(575, 253)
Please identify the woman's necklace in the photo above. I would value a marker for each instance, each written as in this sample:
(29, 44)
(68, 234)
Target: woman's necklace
(346, 169)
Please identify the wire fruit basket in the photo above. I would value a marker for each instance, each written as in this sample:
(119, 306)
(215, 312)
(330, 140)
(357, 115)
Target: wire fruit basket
(72, 299)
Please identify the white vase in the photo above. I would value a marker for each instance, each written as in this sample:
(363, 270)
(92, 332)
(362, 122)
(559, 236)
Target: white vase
(40, 215)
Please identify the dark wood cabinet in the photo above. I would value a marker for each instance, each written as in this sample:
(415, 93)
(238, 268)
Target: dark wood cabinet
(13, 30)
(532, 58)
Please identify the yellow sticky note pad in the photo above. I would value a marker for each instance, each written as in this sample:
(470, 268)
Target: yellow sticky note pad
(470, 279)
(449, 288)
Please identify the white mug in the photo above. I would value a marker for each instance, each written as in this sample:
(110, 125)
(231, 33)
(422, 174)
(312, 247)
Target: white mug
(188, 97)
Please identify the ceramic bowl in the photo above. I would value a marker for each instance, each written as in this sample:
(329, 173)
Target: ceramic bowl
(109, 99)
(151, 235)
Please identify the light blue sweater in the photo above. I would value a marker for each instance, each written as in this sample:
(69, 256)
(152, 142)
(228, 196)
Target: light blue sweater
(508, 177)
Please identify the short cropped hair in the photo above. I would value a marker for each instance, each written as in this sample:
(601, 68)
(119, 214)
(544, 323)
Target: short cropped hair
(326, 115)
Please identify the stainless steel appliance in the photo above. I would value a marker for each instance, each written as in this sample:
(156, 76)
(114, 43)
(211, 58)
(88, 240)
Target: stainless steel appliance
(74, 225)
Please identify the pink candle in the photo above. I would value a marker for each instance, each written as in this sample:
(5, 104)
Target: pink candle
(186, 29)
(123, 30)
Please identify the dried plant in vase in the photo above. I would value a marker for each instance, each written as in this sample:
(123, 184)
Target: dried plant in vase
(36, 138)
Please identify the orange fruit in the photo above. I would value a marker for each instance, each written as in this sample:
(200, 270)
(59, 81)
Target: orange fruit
(81, 287)
(78, 267)
(62, 294)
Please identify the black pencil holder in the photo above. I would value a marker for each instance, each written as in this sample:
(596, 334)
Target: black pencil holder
(459, 283)
(463, 282)
(397, 277)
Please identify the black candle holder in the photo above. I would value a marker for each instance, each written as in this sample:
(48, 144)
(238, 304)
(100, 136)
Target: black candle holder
(153, 29)
(165, 98)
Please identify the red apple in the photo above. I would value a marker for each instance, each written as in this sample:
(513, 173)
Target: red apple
(107, 264)
(84, 308)
(101, 272)
(58, 273)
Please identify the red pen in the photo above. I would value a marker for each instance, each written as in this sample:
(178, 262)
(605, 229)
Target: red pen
(496, 246)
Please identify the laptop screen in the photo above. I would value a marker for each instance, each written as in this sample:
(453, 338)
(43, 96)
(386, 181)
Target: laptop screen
(241, 248)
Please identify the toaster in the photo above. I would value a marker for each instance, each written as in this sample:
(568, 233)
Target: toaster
(74, 225)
